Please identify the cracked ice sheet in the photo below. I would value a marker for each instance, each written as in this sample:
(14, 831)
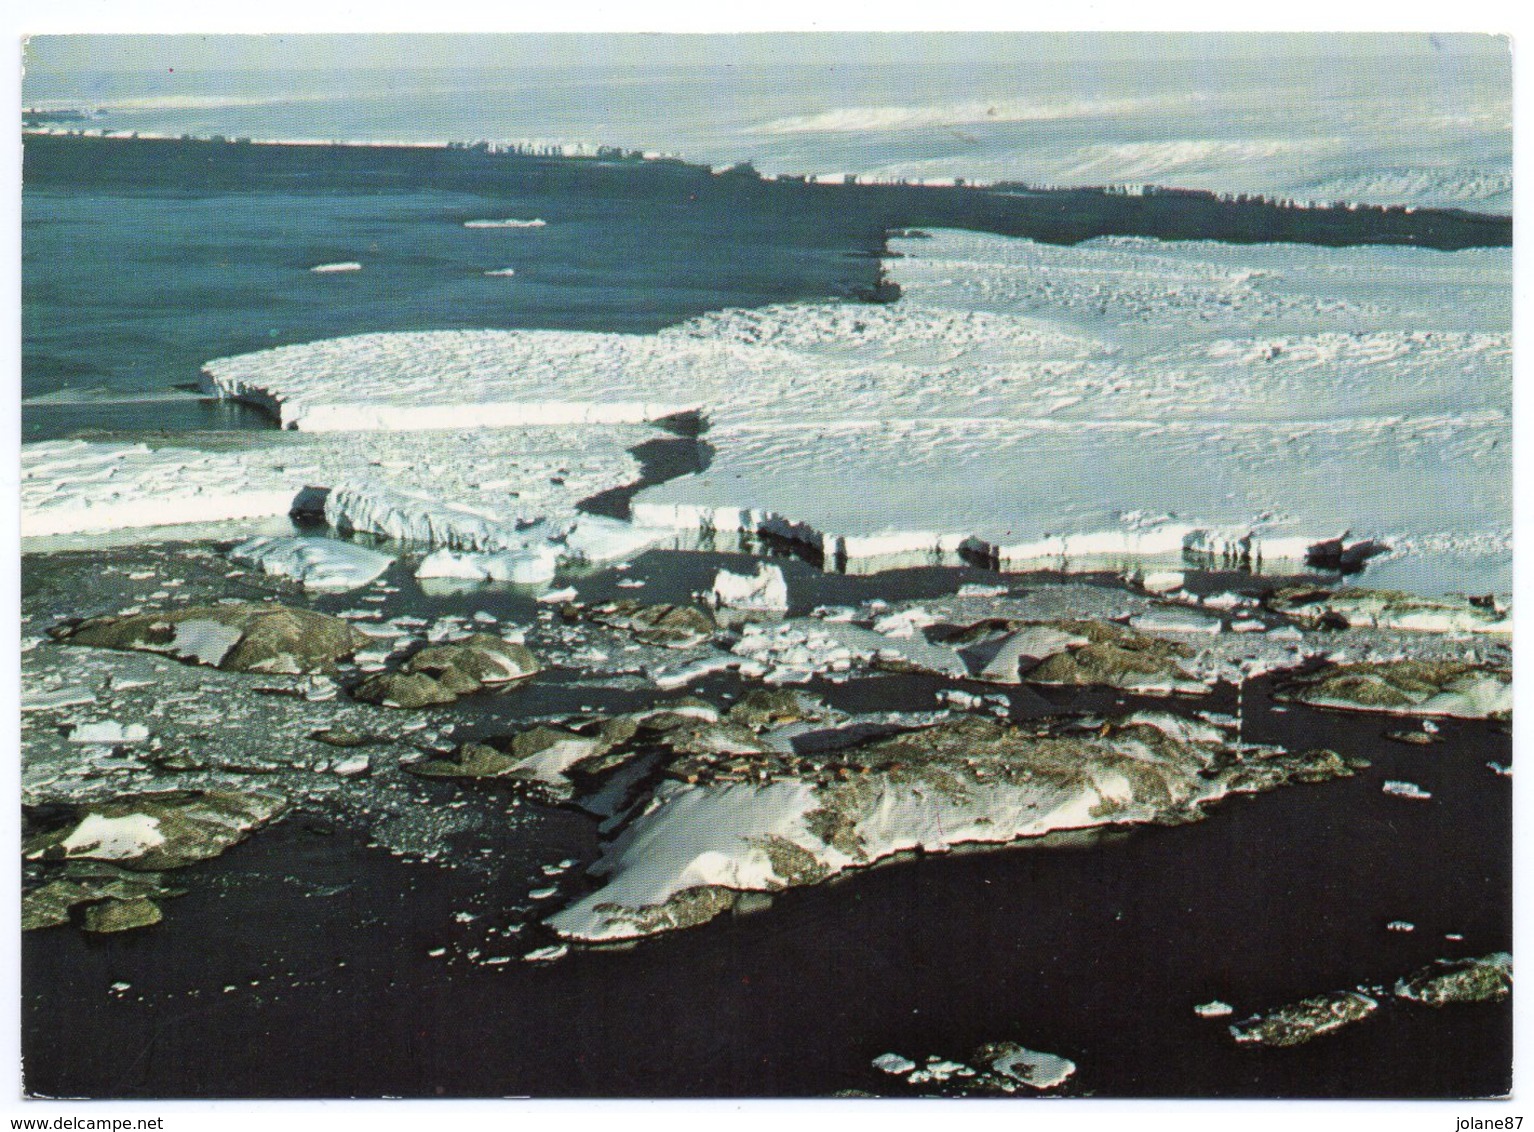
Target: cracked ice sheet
(507, 476)
(1292, 390)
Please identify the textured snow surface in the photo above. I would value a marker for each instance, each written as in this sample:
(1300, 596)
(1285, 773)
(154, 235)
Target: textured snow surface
(1127, 397)
(483, 489)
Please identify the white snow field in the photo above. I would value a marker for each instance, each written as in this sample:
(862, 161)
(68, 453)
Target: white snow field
(1133, 398)
(1121, 399)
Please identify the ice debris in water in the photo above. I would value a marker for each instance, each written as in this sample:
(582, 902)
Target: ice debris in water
(1214, 1008)
(1400, 926)
(1402, 789)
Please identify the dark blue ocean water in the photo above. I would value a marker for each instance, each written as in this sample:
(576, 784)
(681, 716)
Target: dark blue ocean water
(128, 289)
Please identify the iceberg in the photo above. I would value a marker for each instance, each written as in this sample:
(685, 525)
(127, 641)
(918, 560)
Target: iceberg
(506, 223)
(765, 590)
(529, 566)
(315, 563)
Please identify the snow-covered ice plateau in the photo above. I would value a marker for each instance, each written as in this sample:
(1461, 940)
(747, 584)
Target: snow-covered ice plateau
(1123, 398)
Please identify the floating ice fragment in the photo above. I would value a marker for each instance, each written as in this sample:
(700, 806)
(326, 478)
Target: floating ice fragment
(522, 567)
(974, 589)
(765, 590)
(1404, 789)
(509, 222)
(1400, 926)
(1031, 1067)
(57, 698)
(316, 563)
(108, 731)
(893, 1063)
(1163, 581)
(1214, 1008)
(353, 766)
(329, 268)
(559, 597)
(547, 954)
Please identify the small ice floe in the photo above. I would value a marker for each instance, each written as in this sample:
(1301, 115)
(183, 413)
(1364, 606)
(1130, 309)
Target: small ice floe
(353, 766)
(1173, 621)
(687, 673)
(57, 698)
(502, 271)
(1499, 769)
(315, 563)
(547, 954)
(524, 567)
(1163, 581)
(331, 268)
(1027, 1066)
(941, 1069)
(559, 597)
(893, 1063)
(1400, 926)
(485, 618)
(509, 222)
(120, 987)
(765, 590)
(1430, 727)
(1404, 789)
(960, 700)
(108, 731)
(837, 613)
(904, 625)
(1247, 625)
(543, 893)
(1214, 1008)
(974, 589)
(631, 584)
